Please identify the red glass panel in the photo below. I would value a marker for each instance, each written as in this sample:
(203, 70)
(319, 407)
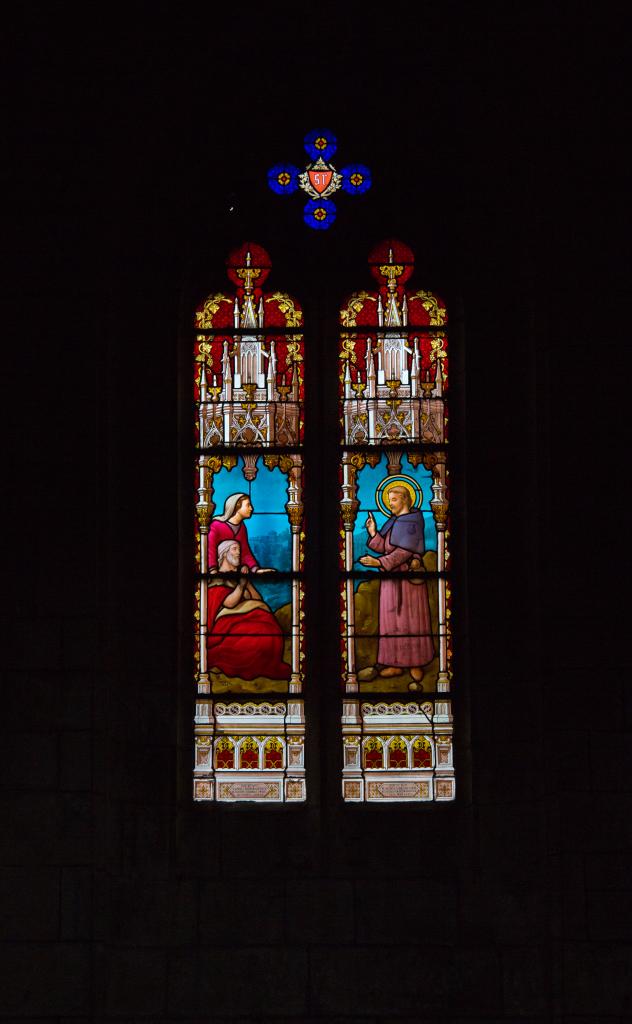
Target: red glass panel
(225, 758)
(374, 758)
(422, 758)
(273, 759)
(249, 758)
(397, 758)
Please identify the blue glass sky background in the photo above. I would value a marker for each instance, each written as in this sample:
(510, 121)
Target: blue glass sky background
(368, 480)
(268, 528)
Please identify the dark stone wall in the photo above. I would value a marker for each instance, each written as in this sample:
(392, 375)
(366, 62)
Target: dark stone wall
(120, 900)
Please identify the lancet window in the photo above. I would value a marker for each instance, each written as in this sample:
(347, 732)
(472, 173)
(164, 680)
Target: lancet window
(249, 603)
(395, 589)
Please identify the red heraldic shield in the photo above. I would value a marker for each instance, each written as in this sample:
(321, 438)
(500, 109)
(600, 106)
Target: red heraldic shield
(320, 180)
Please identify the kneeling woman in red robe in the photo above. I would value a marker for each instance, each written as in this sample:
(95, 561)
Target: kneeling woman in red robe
(244, 638)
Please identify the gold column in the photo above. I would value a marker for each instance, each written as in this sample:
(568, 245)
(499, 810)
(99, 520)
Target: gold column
(439, 506)
(208, 465)
(349, 505)
(292, 465)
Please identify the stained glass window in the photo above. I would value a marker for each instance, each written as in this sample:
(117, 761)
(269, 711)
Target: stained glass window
(249, 601)
(394, 559)
(395, 586)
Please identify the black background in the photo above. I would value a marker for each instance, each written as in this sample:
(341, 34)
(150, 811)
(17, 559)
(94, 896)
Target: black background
(494, 137)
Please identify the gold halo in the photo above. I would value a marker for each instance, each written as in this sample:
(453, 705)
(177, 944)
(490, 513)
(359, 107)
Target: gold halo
(411, 485)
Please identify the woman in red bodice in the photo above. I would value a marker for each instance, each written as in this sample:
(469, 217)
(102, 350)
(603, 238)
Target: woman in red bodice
(231, 526)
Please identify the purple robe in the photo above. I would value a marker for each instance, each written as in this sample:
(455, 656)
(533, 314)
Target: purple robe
(405, 628)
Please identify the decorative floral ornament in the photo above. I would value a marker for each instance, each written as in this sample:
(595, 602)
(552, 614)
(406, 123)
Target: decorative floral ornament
(320, 143)
(356, 178)
(319, 213)
(283, 178)
(320, 179)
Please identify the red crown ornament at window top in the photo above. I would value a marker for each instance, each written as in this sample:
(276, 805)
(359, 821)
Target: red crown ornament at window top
(392, 264)
(395, 308)
(248, 267)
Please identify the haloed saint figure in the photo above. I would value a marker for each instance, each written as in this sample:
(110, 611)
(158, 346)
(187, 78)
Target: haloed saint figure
(405, 630)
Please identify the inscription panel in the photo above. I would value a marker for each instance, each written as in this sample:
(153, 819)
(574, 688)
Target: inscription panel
(249, 791)
(388, 790)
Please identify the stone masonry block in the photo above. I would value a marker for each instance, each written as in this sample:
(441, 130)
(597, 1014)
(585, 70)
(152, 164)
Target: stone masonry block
(524, 981)
(80, 642)
(150, 913)
(597, 979)
(76, 903)
(29, 903)
(29, 760)
(387, 981)
(44, 979)
(608, 871)
(34, 643)
(136, 981)
(247, 983)
(75, 755)
(320, 910)
(242, 912)
(405, 912)
(609, 916)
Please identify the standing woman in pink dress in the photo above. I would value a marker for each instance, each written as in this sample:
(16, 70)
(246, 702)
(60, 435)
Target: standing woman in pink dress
(405, 629)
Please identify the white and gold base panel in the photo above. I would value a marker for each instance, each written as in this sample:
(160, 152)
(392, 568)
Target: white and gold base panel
(249, 751)
(396, 752)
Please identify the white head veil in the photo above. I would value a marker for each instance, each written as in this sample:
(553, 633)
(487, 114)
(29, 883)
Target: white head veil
(229, 507)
